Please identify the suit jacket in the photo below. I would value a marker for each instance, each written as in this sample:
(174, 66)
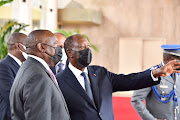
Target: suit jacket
(103, 84)
(35, 95)
(8, 70)
(154, 108)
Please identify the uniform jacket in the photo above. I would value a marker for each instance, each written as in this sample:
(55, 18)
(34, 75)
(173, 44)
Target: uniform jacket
(154, 108)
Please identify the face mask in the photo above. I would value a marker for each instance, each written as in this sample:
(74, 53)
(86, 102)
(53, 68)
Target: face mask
(64, 56)
(57, 56)
(23, 46)
(23, 53)
(85, 57)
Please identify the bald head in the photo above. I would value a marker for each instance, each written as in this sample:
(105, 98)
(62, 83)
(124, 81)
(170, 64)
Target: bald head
(37, 36)
(61, 39)
(69, 43)
(78, 51)
(57, 34)
(15, 42)
(15, 38)
(42, 43)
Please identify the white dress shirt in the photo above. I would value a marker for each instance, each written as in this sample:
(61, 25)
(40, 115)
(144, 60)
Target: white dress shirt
(15, 58)
(78, 75)
(80, 78)
(41, 61)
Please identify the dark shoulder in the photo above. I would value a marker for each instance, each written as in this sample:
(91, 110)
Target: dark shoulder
(5, 63)
(97, 68)
(61, 74)
(32, 68)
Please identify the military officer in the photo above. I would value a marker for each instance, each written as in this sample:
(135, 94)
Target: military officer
(161, 101)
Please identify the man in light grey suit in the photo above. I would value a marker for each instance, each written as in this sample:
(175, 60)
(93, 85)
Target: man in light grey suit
(163, 100)
(35, 94)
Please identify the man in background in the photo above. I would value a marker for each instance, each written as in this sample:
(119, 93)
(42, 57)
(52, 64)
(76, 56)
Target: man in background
(9, 66)
(35, 94)
(88, 89)
(60, 66)
(162, 100)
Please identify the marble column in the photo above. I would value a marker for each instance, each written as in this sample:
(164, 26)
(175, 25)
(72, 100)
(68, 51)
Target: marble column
(22, 12)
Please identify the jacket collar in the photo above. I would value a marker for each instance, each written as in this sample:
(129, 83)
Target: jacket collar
(30, 59)
(12, 61)
(71, 80)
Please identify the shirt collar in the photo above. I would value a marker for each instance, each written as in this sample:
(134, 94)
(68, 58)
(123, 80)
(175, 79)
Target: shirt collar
(162, 63)
(76, 71)
(41, 61)
(64, 61)
(15, 58)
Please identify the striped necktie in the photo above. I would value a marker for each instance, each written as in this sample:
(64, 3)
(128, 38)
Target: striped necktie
(52, 74)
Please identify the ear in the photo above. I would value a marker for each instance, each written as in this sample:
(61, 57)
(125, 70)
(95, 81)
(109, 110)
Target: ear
(69, 53)
(40, 47)
(17, 45)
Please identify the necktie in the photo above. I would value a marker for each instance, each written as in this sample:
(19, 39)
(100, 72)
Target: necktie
(60, 65)
(172, 75)
(87, 86)
(52, 74)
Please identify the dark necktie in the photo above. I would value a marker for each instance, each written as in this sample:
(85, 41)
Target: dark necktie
(60, 65)
(87, 86)
(172, 75)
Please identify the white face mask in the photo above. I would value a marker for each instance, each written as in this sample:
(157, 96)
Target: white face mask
(23, 53)
(64, 56)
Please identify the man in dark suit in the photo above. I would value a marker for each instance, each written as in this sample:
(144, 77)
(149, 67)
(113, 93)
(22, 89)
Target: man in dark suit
(88, 89)
(35, 94)
(60, 66)
(8, 69)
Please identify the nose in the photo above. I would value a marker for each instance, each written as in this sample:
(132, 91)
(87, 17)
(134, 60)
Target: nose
(87, 46)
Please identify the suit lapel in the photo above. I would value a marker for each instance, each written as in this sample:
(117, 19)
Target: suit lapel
(71, 80)
(16, 65)
(52, 79)
(94, 85)
(53, 69)
(169, 79)
(37, 62)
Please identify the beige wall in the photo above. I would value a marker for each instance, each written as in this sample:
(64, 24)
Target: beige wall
(129, 18)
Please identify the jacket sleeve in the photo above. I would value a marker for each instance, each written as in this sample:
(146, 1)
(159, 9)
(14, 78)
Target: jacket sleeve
(133, 81)
(37, 98)
(137, 102)
(6, 81)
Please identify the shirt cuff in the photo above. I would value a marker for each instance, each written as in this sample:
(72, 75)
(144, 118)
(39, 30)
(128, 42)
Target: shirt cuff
(154, 78)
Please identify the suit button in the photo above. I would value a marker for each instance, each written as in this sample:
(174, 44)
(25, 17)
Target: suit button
(99, 113)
